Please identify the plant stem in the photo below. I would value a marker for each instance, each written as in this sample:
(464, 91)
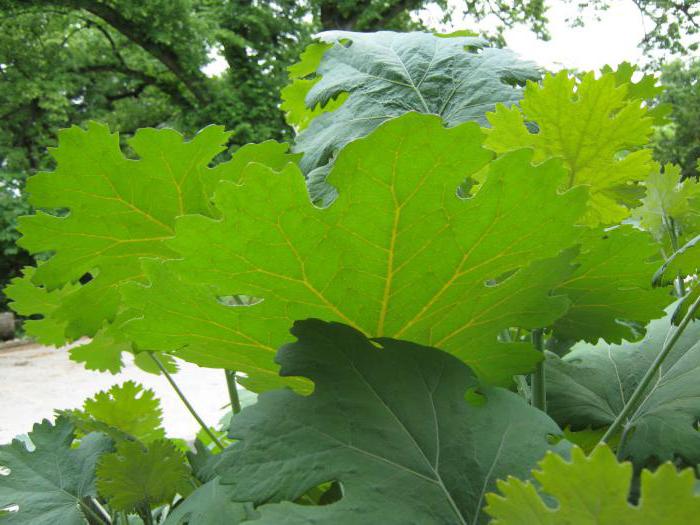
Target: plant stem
(90, 513)
(233, 391)
(633, 401)
(539, 388)
(186, 402)
(672, 229)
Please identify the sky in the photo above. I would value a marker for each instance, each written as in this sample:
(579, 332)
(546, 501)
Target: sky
(611, 40)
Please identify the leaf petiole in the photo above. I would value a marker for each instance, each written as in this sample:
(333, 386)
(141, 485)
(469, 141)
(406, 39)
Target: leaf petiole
(633, 402)
(187, 404)
(233, 391)
(539, 388)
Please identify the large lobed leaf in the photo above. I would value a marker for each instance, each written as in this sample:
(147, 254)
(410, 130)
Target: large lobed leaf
(594, 491)
(388, 420)
(590, 385)
(398, 254)
(591, 125)
(49, 483)
(120, 210)
(383, 75)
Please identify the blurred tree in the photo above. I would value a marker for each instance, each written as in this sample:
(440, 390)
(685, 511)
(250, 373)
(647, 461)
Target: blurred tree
(12, 205)
(679, 142)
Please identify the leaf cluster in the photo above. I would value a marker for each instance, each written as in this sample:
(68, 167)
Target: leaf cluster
(473, 289)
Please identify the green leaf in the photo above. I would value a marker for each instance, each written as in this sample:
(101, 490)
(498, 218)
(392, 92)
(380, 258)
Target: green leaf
(211, 504)
(589, 387)
(588, 438)
(685, 261)
(49, 483)
(387, 74)
(647, 89)
(398, 254)
(137, 477)
(144, 360)
(204, 458)
(121, 209)
(591, 125)
(594, 490)
(29, 300)
(123, 411)
(389, 421)
(611, 285)
(302, 79)
(669, 202)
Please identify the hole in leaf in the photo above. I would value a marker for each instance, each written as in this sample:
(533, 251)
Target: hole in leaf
(86, 278)
(322, 494)
(474, 397)
(501, 278)
(238, 300)
(532, 126)
(513, 81)
(553, 439)
(467, 189)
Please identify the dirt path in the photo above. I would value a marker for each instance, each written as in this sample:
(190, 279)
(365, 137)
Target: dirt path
(34, 380)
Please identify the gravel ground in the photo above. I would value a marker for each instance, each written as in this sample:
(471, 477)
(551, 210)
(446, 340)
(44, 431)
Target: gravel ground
(35, 380)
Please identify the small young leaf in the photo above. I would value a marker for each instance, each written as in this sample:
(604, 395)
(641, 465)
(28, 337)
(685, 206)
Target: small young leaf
(137, 477)
(123, 410)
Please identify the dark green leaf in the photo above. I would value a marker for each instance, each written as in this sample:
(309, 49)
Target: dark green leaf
(50, 482)
(589, 387)
(389, 421)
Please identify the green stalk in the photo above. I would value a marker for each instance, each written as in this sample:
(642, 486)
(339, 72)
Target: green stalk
(633, 402)
(539, 387)
(671, 228)
(91, 513)
(233, 391)
(186, 402)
